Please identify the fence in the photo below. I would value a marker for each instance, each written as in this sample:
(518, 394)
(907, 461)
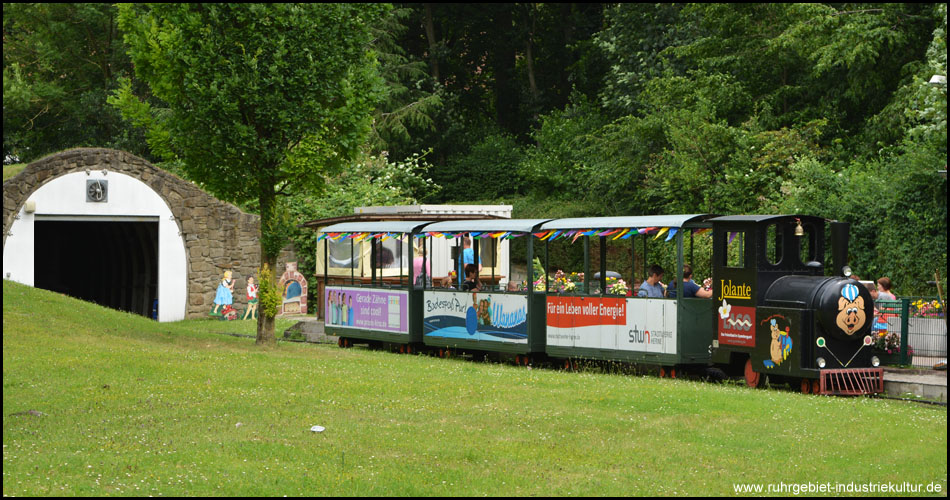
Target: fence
(921, 324)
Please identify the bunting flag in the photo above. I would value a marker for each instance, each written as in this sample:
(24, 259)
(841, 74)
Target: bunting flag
(360, 238)
(672, 234)
(577, 234)
(660, 232)
(630, 232)
(732, 236)
(702, 230)
(625, 231)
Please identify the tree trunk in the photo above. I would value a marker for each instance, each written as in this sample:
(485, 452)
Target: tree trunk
(529, 57)
(265, 322)
(503, 65)
(430, 34)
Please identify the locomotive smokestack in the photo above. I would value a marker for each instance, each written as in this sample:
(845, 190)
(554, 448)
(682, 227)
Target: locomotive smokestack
(839, 246)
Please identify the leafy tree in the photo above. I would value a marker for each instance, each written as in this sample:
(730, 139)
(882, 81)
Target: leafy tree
(262, 99)
(408, 104)
(371, 180)
(60, 62)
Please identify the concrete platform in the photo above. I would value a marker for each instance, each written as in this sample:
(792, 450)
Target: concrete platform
(927, 384)
(312, 330)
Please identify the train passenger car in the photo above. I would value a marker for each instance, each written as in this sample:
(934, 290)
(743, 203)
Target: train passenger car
(506, 321)
(382, 311)
(778, 315)
(595, 321)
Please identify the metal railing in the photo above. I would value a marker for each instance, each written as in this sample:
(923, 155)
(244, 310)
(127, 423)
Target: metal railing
(921, 323)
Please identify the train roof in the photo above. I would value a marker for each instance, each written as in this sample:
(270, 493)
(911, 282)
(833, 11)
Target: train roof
(386, 226)
(758, 218)
(641, 221)
(514, 225)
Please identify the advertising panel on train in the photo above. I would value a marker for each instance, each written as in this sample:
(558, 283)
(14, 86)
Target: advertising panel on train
(494, 317)
(361, 308)
(642, 325)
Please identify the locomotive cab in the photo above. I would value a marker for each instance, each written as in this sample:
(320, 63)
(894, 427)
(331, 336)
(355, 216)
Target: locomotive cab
(779, 316)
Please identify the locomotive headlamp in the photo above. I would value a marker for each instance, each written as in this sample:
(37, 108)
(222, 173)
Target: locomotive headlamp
(875, 361)
(846, 271)
(799, 230)
(821, 362)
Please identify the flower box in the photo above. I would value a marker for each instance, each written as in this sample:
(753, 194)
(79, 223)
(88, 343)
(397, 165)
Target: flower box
(892, 359)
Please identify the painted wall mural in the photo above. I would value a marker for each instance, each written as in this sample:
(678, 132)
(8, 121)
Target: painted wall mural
(294, 291)
(224, 298)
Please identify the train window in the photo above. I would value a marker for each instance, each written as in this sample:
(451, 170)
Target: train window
(343, 256)
(392, 254)
(488, 251)
(735, 249)
(808, 244)
(773, 244)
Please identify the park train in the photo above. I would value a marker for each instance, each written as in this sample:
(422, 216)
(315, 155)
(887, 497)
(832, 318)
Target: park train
(773, 314)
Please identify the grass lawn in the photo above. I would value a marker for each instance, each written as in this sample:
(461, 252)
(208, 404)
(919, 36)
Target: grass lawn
(127, 406)
(11, 170)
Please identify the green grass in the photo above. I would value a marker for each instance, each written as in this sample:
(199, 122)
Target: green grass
(11, 170)
(134, 407)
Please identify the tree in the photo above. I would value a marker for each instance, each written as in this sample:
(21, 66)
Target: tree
(60, 62)
(262, 99)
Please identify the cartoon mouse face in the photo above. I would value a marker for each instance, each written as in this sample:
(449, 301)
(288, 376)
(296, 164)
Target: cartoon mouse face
(851, 316)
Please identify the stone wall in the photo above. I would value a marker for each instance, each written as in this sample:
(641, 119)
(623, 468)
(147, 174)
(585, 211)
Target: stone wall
(217, 235)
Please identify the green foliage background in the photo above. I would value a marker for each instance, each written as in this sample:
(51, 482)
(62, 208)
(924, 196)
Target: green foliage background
(572, 110)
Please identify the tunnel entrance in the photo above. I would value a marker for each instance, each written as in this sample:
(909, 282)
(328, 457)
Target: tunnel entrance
(113, 263)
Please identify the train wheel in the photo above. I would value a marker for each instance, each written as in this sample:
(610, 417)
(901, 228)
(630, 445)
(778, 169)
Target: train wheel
(402, 349)
(662, 372)
(441, 352)
(408, 349)
(339, 342)
(806, 386)
(672, 372)
(752, 377)
(815, 387)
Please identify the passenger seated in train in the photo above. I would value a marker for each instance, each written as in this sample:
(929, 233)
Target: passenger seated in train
(471, 278)
(653, 286)
(690, 288)
(513, 286)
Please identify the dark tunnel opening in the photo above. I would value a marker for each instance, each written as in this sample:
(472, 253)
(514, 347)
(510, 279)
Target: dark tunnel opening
(111, 263)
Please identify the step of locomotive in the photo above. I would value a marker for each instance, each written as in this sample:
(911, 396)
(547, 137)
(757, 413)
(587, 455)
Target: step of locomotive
(927, 384)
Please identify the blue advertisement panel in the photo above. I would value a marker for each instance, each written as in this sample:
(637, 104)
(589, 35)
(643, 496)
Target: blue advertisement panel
(493, 317)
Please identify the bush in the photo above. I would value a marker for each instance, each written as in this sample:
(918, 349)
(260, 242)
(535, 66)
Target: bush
(489, 169)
